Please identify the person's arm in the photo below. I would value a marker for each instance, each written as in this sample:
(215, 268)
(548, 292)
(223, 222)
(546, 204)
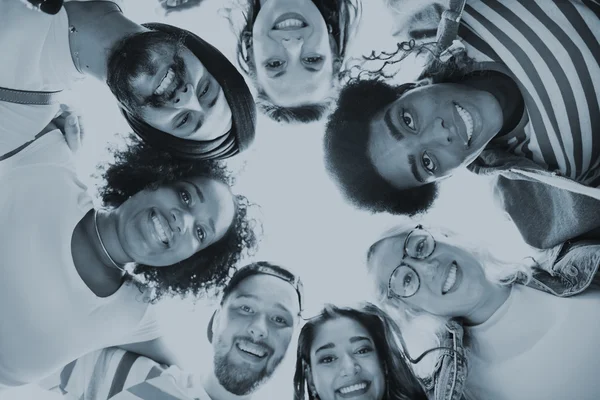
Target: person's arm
(155, 349)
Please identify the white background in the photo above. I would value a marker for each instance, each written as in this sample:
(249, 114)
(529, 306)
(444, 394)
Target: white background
(307, 225)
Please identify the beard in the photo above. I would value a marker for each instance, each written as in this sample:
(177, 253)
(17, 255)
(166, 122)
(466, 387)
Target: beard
(238, 379)
(136, 55)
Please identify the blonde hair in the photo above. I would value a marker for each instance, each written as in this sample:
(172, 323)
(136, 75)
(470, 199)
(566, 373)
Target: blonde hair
(419, 329)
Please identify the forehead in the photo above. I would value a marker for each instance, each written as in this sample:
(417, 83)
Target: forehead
(338, 331)
(298, 87)
(269, 291)
(387, 253)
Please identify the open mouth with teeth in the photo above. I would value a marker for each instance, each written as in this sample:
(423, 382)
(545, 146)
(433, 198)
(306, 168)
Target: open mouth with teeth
(253, 350)
(165, 82)
(290, 24)
(159, 228)
(355, 389)
(450, 281)
(467, 119)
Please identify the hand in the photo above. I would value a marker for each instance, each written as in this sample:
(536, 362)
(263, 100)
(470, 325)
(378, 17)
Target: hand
(69, 123)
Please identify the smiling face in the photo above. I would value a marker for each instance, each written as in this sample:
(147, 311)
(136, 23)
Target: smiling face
(164, 226)
(451, 280)
(344, 362)
(170, 88)
(430, 131)
(292, 53)
(252, 332)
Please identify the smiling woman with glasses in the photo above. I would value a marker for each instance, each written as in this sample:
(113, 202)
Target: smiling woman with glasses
(429, 274)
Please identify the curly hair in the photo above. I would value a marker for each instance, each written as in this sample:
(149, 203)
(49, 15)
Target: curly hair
(401, 384)
(140, 166)
(345, 144)
(340, 16)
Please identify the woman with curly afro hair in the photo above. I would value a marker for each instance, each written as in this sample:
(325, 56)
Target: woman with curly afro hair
(215, 243)
(509, 106)
(65, 291)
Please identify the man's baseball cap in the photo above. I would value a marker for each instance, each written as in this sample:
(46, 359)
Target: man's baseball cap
(259, 268)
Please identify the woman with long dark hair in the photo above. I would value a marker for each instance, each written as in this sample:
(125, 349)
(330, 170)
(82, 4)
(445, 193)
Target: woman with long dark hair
(347, 352)
(293, 51)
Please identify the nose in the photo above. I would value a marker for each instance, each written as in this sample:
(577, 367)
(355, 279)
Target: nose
(438, 132)
(181, 221)
(258, 328)
(426, 268)
(185, 97)
(293, 45)
(349, 366)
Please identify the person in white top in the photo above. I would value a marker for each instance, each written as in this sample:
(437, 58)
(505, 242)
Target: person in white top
(65, 291)
(250, 333)
(176, 91)
(523, 343)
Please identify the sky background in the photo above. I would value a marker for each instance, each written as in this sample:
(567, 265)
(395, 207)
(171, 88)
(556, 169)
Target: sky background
(308, 227)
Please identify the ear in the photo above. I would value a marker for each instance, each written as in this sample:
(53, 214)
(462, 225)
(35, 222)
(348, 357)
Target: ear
(216, 321)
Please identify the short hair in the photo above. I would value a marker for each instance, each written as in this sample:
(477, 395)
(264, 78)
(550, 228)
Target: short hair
(400, 383)
(346, 146)
(140, 166)
(258, 268)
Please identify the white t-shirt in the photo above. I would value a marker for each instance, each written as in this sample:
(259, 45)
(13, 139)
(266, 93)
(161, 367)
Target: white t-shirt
(48, 316)
(538, 346)
(35, 56)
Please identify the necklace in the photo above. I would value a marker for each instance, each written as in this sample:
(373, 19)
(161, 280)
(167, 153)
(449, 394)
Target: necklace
(102, 244)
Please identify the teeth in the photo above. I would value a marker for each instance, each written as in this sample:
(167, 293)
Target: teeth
(353, 388)
(467, 119)
(165, 82)
(253, 349)
(450, 280)
(162, 235)
(290, 23)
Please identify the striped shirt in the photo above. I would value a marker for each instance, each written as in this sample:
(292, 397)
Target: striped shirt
(116, 374)
(552, 49)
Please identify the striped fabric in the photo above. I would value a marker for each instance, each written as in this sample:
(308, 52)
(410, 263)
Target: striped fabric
(552, 48)
(117, 374)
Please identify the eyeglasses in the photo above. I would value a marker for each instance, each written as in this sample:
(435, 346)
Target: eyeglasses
(404, 281)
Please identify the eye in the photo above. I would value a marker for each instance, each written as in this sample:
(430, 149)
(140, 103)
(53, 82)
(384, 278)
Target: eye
(205, 89)
(407, 280)
(408, 120)
(428, 163)
(185, 197)
(326, 360)
(246, 309)
(280, 320)
(274, 64)
(313, 60)
(364, 350)
(201, 234)
(184, 120)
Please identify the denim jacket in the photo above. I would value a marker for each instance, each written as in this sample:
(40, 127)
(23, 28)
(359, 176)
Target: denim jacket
(548, 209)
(570, 273)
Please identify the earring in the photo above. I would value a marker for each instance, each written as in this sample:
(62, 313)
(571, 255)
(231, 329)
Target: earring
(329, 28)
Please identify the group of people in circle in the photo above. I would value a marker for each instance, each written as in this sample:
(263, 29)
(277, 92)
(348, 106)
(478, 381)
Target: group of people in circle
(509, 90)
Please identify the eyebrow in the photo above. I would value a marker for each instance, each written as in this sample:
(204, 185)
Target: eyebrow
(353, 339)
(413, 168)
(396, 134)
(197, 190)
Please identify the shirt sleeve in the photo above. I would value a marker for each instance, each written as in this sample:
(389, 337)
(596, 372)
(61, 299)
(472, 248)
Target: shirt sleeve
(148, 327)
